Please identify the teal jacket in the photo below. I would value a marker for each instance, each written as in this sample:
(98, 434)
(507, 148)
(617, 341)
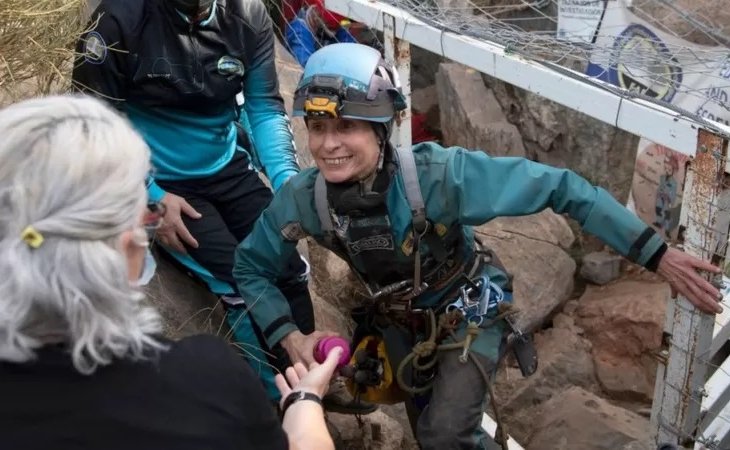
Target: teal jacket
(458, 187)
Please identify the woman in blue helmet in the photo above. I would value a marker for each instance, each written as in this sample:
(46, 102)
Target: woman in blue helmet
(362, 202)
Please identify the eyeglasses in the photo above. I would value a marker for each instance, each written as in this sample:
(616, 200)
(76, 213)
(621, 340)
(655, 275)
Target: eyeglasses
(153, 217)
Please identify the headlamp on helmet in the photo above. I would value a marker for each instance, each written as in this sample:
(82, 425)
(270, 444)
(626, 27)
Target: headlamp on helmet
(323, 97)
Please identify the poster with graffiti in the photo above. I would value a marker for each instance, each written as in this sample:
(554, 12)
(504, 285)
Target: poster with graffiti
(645, 60)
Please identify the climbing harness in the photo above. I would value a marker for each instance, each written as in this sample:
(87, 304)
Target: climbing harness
(422, 230)
(480, 303)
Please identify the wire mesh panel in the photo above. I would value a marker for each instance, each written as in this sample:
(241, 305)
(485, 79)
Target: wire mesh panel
(502, 46)
(648, 64)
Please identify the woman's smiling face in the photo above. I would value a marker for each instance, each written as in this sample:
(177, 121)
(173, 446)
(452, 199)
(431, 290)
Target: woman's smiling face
(343, 149)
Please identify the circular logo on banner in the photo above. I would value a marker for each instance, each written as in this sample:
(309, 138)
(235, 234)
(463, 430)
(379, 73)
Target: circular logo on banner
(95, 48)
(641, 63)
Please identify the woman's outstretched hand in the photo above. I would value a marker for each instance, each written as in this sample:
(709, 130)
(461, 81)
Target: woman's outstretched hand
(680, 270)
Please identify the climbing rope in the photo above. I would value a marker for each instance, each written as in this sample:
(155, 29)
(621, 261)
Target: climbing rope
(423, 355)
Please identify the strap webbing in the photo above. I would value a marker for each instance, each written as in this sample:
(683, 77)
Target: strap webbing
(320, 202)
(413, 189)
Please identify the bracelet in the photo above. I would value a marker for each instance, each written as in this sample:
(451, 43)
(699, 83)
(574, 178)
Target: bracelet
(299, 395)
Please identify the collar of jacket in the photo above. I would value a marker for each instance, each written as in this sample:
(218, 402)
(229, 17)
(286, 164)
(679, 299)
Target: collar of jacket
(184, 20)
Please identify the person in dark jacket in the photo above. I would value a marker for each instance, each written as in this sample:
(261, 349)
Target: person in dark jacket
(197, 79)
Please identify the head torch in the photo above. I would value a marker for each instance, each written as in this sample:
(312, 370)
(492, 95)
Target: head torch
(323, 97)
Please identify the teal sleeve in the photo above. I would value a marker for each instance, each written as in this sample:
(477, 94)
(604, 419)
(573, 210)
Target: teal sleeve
(272, 136)
(259, 261)
(154, 192)
(487, 188)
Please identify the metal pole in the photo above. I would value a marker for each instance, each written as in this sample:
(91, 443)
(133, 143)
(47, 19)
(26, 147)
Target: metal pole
(681, 376)
(398, 53)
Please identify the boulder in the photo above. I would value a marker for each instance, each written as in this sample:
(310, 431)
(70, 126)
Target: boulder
(601, 267)
(186, 306)
(330, 318)
(333, 280)
(705, 15)
(562, 137)
(471, 117)
(564, 360)
(424, 65)
(378, 431)
(624, 321)
(532, 248)
(579, 420)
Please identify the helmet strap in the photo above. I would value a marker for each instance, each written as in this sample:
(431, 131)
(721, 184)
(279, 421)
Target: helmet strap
(381, 133)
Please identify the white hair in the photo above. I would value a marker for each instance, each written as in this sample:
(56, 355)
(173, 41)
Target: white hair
(74, 170)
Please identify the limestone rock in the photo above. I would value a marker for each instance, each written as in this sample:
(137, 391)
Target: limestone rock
(471, 117)
(424, 99)
(330, 318)
(186, 306)
(332, 278)
(562, 137)
(378, 431)
(713, 14)
(531, 248)
(564, 360)
(624, 321)
(601, 267)
(424, 65)
(579, 420)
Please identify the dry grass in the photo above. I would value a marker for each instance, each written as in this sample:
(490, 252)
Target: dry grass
(37, 38)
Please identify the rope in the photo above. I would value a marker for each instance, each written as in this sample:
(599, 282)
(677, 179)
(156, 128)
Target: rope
(500, 434)
(421, 356)
(426, 350)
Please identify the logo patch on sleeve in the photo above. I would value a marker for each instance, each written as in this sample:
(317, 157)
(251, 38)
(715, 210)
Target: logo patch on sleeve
(95, 49)
(293, 232)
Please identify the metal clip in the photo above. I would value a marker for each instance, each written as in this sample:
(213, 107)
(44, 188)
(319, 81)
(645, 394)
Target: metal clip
(476, 299)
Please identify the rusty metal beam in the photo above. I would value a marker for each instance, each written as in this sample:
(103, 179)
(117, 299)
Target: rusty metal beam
(398, 53)
(680, 384)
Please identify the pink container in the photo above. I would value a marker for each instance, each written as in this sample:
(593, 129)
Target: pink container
(325, 345)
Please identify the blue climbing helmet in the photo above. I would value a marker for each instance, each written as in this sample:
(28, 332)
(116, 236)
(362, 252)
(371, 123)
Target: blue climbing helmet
(350, 81)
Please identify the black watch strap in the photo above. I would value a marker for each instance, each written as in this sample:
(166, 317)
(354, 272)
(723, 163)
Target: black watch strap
(297, 396)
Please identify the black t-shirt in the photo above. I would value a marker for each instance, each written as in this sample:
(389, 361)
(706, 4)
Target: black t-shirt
(197, 395)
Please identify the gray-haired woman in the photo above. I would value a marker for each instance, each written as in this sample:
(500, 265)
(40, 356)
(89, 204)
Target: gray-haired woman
(81, 362)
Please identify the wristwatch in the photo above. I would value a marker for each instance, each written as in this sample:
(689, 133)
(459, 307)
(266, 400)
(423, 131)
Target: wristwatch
(299, 395)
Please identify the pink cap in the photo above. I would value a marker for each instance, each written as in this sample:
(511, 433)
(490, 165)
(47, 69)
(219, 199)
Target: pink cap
(325, 345)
